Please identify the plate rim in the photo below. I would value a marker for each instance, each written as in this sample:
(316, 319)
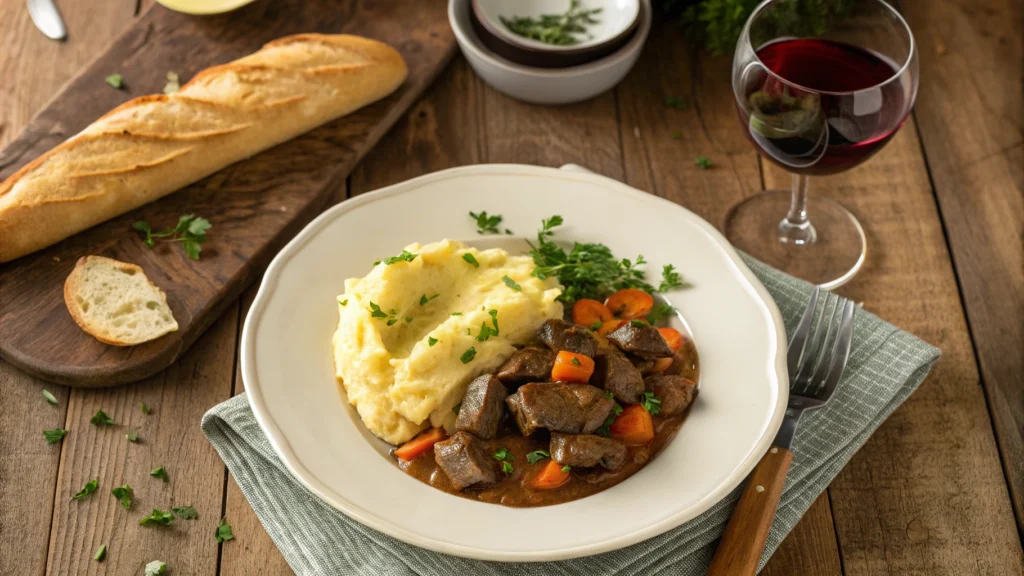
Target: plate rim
(291, 461)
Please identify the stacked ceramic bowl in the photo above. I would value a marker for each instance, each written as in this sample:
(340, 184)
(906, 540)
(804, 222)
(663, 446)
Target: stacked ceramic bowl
(551, 51)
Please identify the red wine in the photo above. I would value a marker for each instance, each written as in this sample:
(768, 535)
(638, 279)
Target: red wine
(823, 108)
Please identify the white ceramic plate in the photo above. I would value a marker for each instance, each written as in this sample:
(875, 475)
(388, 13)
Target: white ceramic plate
(289, 376)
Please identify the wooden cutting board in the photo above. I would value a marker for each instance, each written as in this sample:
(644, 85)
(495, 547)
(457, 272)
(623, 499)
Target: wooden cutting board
(255, 206)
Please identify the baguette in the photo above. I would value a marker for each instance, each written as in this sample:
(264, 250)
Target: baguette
(153, 145)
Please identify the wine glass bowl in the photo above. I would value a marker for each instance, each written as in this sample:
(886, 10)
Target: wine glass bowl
(817, 100)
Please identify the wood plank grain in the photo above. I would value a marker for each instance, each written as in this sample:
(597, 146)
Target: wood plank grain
(170, 437)
(34, 67)
(970, 113)
(658, 162)
(926, 494)
(254, 205)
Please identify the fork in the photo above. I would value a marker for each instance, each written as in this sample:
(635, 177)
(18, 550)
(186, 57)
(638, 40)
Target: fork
(817, 357)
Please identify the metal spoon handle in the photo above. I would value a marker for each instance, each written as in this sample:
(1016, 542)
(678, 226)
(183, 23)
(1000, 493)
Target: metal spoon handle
(46, 17)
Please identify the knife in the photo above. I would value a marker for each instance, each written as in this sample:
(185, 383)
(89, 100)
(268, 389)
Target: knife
(46, 17)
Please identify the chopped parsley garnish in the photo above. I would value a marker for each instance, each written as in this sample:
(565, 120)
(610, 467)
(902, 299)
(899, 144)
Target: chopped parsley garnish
(190, 231)
(638, 323)
(185, 512)
(391, 321)
(101, 553)
(343, 302)
(456, 408)
(605, 429)
(511, 283)
(132, 436)
(100, 418)
(557, 29)
(575, 361)
(507, 467)
(609, 395)
(677, 102)
(468, 355)
(506, 460)
(537, 456)
(49, 397)
(145, 409)
(115, 81)
(589, 270)
(161, 474)
(456, 313)
(486, 224)
(471, 259)
(156, 568)
(487, 331)
(596, 326)
(651, 403)
(55, 435)
(223, 531)
(703, 162)
(157, 517)
(670, 279)
(424, 299)
(659, 312)
(376, 312)
(124, 495)
(431, 341)
(408, 319)
(566, 468)
(405, 256)
(89, 488)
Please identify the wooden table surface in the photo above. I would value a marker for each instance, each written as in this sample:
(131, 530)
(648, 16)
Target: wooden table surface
(938, 489)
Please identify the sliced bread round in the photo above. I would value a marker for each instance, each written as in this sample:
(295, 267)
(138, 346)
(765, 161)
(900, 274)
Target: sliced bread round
(115, 302)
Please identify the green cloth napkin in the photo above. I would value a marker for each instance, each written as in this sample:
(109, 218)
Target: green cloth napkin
(886, 365)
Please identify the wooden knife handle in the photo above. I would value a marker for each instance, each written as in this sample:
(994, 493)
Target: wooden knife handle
(742, 543)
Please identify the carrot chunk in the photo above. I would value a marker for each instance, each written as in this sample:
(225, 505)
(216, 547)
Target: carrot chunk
(662, 364)
(570, 367)
(551, 476)
(633, 426)
(672, 337)
(588, 312)
(423, 442)
(630, 303)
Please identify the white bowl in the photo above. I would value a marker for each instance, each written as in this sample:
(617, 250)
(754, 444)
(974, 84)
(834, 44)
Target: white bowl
(546, 86)
(615, 19)
(287, 364)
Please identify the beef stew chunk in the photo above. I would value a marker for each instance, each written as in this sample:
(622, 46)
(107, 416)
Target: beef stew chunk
(527, 365)
(559, 407)
(644, 365)
(482, 408)
(464, 459)
(640, 339)
(616, 374)
(586, 450)
(675, 392)
(561, 335)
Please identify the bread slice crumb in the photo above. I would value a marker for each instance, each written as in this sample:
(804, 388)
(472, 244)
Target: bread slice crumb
(116, 303)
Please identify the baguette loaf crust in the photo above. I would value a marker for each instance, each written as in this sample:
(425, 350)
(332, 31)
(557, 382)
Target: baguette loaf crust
(153, 145)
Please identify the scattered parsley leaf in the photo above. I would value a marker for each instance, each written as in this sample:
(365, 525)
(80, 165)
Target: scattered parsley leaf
(223, 531)
(511, 283)
(508, 232)
(49, 397)
(132, 436)
(486, 224)
(605, 429)
(677, 135)
(677, 102)
(537, 455)
(609, 395)
(101, 553)
(503, 454)
(703, 162)
(596, 326)
(471, 259)
(343, 302)
(391, 321)
(157, 517)
(456, 313)
(431, 341)
(190, 231)
(487, 331)
(156, 568)
(659, 312)
(670, 279)
(408, 319)
(376, 312)
(566, 468)
(173, 83)
(89, 488)
(575, 361)
(186, 512)
(55, 435)
(424, 300)
(651, 403)
(468, 355)
(638, 323)
(124, 494)
(456, 408)
(161, 474)
(100, 418)
(145, 409)
(507, 467)
(115, 81)
(405, 256)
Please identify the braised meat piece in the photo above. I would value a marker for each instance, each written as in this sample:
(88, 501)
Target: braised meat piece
(482, 407)
(644, 365)
(464, 459)
(640, 339)
(674, 391)
(527, 365)
(616, 374)
(561, 335)
(586, 450)
(559, 407)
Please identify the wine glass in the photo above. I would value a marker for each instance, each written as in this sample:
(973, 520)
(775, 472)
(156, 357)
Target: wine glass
(817, 98)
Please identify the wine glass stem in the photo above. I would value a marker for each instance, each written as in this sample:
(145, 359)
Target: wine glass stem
(796, 227)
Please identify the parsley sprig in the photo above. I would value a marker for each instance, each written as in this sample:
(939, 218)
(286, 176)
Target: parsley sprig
(190, 231)
(557, 29)
(89, 488)
(488, 331)
(55, 435)
(651, 403)
(158, 517)
(590, 270)
(405, 256)
(486, 223)
(506, 459)
(391, 315)
(124, 494)
(537, 456)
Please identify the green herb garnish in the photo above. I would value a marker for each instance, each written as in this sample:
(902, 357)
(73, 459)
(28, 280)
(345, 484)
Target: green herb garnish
(596, 326)
(156, 568)
(100, 418)
(638, 323)
(506, 460)
(132, 436)
(431, 341)
(557, 29)
(507, 467)
(115, 81)
(456, 408)
(566, 468)
(424, 299)
(49, 397)
(486, 224)
(537, 456)
(145, 409)
(161, 474)
(575, 361)
(471, 259)
(157, 517)
(468, 355)
(677, 102)
(343, 302)
(185, 512)
(376, 312)
(456, 313)
(609, 395)
(223, 531)
(651, 403)
(405, 256)
(55, 435)
(605, 429)
(101, 553)
(487, 331)
(89, 488)
(703, 162)
(511, 283)
(124, 495)
(659, 312)
(408, 319)
(190, 231)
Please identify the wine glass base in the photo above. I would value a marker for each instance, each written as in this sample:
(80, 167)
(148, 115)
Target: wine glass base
(833, 257)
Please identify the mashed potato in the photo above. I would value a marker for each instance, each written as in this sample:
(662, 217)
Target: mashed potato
(409, 375)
